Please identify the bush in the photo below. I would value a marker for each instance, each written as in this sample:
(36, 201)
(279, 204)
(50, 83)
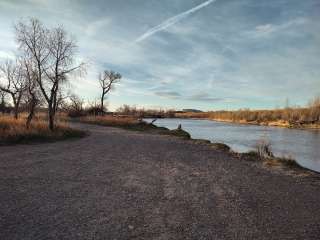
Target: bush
(263, 149)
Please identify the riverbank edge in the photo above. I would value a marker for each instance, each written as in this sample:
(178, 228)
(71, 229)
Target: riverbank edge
(272, 162)
(284, 164)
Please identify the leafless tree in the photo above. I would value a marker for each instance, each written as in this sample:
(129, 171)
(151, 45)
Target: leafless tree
(107, 80)
(32, 90)
(314, 106)
(3, 103)
(52, 52)
(13, 82)
(76, 102)
(75, 106)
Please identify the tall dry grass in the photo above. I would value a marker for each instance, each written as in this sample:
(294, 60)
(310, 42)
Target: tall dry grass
(14, 130)
(116, 121)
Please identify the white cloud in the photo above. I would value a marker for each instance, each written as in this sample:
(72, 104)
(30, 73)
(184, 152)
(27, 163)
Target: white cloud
(171, 21)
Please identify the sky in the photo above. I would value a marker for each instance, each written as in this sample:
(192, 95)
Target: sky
(175, 54)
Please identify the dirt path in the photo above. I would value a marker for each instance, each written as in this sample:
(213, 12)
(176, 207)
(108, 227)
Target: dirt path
(117, 184)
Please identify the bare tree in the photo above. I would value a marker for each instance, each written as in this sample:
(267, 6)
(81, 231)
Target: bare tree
(3, 103)
(33, 91)
(52, 52)
(75, 106)
(11, 74)
(314, 106)
(107, 80)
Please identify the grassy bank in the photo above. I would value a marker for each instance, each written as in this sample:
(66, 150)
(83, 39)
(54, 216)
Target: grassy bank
(273, 162)
(13, 131)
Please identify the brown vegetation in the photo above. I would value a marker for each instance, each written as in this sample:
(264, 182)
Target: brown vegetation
(263, 153)
(145, 113)
(14, 130)
(287, 117)
(111, 120)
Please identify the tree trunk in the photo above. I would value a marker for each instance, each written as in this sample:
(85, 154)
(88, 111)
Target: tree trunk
(15, 106)
(31, 112)
(102, 106)
(16, 110)
(51, 118)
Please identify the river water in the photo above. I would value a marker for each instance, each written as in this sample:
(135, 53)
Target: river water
(301, 145)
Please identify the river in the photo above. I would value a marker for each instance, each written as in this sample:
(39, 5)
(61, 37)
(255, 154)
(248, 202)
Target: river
(301, 145)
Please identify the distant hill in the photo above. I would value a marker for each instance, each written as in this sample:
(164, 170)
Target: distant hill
(191, 110)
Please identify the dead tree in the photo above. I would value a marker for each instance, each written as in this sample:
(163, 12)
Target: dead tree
(3, 103)
(53, 52)
(14, 83)
(75, 107)
(32, 90)
(107, 80)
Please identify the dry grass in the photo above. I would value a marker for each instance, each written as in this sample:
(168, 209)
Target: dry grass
(113, 121)
(283, 162)
(15, 131)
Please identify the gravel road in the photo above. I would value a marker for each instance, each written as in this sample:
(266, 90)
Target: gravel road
(118, 184)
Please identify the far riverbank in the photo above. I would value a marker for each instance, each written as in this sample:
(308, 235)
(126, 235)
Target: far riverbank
(282, 124)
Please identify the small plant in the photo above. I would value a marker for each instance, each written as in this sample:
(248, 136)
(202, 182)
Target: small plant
(263, 149)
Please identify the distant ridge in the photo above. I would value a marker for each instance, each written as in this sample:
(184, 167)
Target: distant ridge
(191, 110)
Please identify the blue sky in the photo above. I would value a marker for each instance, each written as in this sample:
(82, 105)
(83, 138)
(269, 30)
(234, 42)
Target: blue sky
(205, 54)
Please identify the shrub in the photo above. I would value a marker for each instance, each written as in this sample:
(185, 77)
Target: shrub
(263, 149)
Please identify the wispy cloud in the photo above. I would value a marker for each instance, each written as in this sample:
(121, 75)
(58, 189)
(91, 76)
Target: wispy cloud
(268, 29)
(171, 21)
(204, 97)
(200, 97)
(168, 94)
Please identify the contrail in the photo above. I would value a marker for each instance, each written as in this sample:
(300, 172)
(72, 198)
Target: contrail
(173, 20)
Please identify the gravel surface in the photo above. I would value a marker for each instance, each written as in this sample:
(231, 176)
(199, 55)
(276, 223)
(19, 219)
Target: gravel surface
(118, 184)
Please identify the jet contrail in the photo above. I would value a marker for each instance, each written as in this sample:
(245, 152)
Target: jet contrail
(172, 20)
